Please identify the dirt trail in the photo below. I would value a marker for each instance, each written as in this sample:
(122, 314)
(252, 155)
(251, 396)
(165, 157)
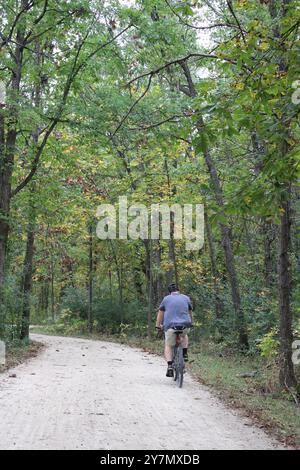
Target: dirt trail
(81, 394)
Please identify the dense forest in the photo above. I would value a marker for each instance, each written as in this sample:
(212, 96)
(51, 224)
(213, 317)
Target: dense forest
(169, 101)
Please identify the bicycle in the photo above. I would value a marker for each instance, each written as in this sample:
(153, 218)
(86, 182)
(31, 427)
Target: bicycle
(178, 360)
(178, 363)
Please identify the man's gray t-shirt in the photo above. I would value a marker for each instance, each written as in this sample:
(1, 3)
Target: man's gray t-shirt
(176, 308)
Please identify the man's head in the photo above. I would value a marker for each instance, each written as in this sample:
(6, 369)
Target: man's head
(173, 288)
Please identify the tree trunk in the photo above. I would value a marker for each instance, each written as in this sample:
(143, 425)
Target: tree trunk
(158, 277)
(269, 234)
(3, 232)
(219, 306)
(5, 198)
(27, 282)
(150, 291)
(91, 266)
(138, 282)
(7, 150)
(110, 287)
(119, 271)
(286, 375)
(121, 301)
(227, 245)
(45, 296)
(172, 273)
(268, 230)
(52, 290)
(224, 228)
(28, 262)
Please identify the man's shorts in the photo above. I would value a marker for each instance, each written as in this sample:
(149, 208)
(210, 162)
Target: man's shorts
(170, 336)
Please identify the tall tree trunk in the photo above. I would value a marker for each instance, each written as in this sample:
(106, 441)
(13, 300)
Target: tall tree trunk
(27, 282)
(91, 268)
(28, 262)
(52, 293)
(28, 268)
(219, 306)
(110, 287)
(150, 290)
(269, 233)
(295, 236)
(138, 281)
(268, 230)
(224, 228)
(172, 273)
(286, 375)
(6, 165)
(227, 246)
(119, 271)
(45, 296)
(7, 149)
(249, 241)
(120, 289)
(3, 234)
(172, 252)
(158, 276)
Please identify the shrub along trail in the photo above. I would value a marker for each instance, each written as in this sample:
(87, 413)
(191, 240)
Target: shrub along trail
(83, 394)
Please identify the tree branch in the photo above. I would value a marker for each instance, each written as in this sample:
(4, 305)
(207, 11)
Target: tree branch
(217, 25)
(6, 39)
(229, 3)
(133, 106)
(173, 119)
(172, 62)
(76, 68)
(183, 60)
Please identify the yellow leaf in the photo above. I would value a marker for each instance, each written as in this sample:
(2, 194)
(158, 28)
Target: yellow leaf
(239, 86)
(264, 46)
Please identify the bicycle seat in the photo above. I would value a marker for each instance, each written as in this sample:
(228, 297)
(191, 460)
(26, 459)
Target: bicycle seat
(179, 328)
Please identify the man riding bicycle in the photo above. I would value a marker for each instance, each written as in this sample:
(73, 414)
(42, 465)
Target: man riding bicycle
(175, 312)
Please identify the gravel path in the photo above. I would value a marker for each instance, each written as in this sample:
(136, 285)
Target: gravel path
(82, 394)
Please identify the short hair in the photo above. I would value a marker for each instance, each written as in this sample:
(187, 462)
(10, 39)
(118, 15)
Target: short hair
(172, 287)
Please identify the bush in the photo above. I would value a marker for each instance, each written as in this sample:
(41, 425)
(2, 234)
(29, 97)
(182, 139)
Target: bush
(68, 323)
(10, 311)
(75, 300)
(107, 317)
(106, 313)
(269, 345)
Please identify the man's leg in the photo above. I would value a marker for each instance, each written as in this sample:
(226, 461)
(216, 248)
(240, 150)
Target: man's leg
(170, 340)
(168, 352)
(185, 345)
(185, 341)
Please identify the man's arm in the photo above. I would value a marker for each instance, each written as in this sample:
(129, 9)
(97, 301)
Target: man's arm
(191, 315)
(190, 309)
(160, 318)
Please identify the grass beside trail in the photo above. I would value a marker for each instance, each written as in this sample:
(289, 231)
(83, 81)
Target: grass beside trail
(18, 353)
(258, 397)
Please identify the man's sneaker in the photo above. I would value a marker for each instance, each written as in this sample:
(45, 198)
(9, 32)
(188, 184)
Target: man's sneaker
(170, 372)
(186, 357)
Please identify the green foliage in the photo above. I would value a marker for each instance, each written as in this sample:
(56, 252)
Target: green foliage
(75, 301)
(269, 345)
(68, 324)
(10, 322)
(127, 121)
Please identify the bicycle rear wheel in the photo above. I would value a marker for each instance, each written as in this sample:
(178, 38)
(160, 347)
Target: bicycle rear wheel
(175, 363)
(179, 366)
